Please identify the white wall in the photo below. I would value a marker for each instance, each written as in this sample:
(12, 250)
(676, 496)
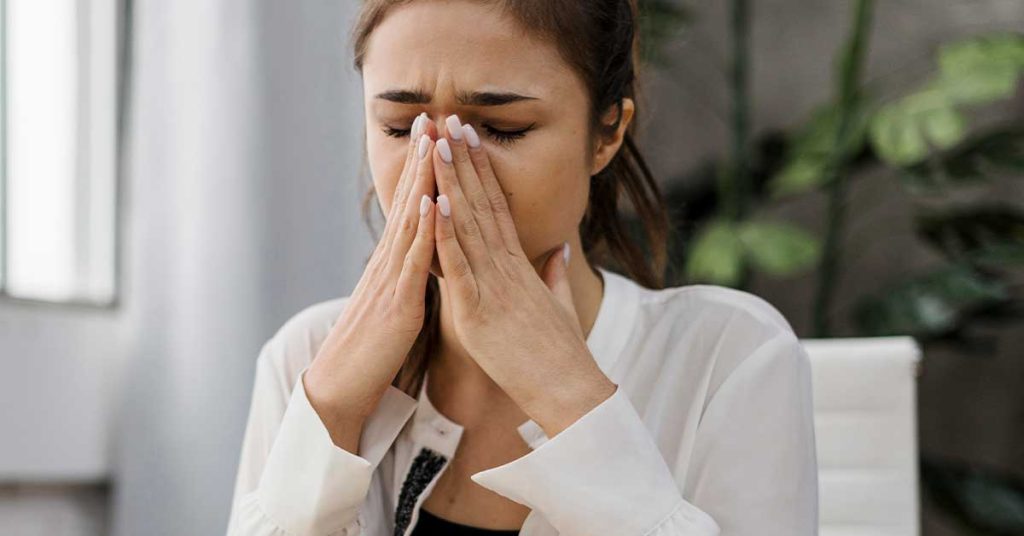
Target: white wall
(246, 132)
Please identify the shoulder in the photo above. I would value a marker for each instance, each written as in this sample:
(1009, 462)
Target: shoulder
(715, 306)
(295, 343)
(708, 331)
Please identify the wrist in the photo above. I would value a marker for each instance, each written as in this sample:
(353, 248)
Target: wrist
(333, 399)
(567, 405)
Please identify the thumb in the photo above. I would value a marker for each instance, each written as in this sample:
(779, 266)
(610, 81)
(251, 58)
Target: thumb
(556, 277)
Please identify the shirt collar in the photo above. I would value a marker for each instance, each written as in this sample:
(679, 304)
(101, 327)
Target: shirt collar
(606, 340)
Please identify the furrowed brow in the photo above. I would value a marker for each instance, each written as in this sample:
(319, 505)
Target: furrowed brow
(473, 98)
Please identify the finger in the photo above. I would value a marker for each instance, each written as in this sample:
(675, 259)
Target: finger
(405, 231)
(556, 277)
(495, 193)
(405, 179)
(412, 282)
(467, 230)
(470, 184)
(458, 273)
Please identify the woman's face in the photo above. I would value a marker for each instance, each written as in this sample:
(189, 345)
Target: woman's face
(447, 52)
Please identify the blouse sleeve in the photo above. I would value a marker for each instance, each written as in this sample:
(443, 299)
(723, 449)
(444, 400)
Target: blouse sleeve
(754, 471)
(292, 478)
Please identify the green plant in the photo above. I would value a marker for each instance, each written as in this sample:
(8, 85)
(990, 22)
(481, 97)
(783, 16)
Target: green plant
(925, 140)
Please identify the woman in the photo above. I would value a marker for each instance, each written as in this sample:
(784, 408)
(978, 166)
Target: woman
(563, 398)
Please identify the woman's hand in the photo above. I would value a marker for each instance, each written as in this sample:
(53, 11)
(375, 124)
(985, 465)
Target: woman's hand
(372, 337)
(521, 329)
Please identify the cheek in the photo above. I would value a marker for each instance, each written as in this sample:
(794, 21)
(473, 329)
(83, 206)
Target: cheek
(548, 193)
(386, 159)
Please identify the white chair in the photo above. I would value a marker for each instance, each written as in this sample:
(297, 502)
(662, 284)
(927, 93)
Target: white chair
(865, 419)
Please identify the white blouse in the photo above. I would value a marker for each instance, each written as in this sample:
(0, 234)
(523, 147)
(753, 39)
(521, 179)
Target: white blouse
(710, 431)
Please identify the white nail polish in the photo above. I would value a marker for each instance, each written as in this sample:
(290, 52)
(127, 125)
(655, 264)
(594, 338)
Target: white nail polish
(444, 206)
(417, 126)
(424, 204)
(445, 150)
(424, 142)
(471, 136)
(565, 253)
(454, 127)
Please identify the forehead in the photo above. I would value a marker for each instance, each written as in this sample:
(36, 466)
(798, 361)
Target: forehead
(447, 46)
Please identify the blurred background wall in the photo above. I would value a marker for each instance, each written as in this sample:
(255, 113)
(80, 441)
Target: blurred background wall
(240, 197)
(246, 147)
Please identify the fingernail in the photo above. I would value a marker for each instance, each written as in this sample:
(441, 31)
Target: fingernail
(424, 204)
(565, 253)
(445, 150)
(417, 126)
(454, 127)
(424, 142)
(471, 136)
(444, 206)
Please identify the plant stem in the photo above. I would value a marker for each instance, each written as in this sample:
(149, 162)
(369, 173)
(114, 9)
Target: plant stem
(737, 194)
(836, 172)
(740, 169)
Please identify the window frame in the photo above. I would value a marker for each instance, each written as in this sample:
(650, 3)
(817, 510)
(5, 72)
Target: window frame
(122, 26)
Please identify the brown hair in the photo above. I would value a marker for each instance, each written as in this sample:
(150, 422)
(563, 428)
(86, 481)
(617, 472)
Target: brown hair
(597, 38)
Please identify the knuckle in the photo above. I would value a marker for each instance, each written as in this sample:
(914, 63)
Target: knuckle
(481, 203)
(516, 254)
(498, 203)
(381, 308)
(469, 229)
(425, 233)
(509, 272)
(460, 268)
(480, 160)
(446, 178)
(408, 226)
(414, 316)
(423, 169)
(399, 186)
(412, 264)
(445, 233)
(375, 264)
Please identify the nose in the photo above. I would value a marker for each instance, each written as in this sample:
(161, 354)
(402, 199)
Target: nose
(438, 124)
(431, 128)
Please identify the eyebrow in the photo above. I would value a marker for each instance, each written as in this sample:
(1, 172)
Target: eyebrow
(470, 98)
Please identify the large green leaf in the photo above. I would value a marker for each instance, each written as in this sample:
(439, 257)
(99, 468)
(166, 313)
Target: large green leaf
(983, 234)
(722, 249)
(812, 148)
(717, 255)
(976, 71)
(982, 69)
(979, 498)
(907, 131)
(778, 248)
(930, 305)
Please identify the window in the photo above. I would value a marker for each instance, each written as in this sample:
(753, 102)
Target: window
(58, 178)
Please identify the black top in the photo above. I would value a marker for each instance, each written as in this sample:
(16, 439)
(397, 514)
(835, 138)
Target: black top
(431, 525)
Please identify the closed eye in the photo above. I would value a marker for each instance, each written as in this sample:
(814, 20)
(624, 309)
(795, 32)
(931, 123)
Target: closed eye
(504, 137)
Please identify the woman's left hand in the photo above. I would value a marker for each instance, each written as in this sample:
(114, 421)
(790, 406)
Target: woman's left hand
(520, 327)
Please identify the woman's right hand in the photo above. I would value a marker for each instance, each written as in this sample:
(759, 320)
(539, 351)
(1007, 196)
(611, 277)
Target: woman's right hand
(372, 336)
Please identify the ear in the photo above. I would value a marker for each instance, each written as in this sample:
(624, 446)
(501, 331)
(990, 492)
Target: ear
(607, 147)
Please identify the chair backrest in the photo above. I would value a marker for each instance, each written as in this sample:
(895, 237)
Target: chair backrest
(865, 420)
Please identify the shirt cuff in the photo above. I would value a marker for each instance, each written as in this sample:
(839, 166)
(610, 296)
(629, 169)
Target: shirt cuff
(603, 474)
(310, 485)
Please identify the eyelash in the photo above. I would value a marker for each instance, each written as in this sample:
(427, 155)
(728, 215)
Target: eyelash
(504, 137)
